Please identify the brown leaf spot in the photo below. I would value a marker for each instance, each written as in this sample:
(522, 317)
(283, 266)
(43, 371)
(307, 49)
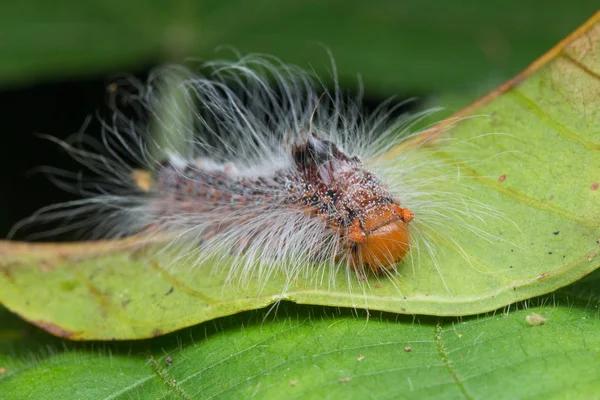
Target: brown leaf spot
(54, 329)
(591, 256)
(594, 186)
(293, 383)
(501, 178)
(543, 276)
(407, 349)
(2, 370)
(345, 379)
(6, 270)
(360, 357)
(156, 332)
(46, 266)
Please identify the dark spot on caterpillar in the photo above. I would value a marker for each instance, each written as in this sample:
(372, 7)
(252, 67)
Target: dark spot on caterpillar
(333, 195)
(351, 215)
(325, 208)
(385, 200)
(316, 152)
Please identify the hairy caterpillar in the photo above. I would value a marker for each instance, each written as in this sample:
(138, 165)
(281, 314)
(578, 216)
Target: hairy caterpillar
(262, 169)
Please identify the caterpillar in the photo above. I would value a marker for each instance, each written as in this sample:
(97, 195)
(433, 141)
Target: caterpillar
(262, 168)
(362, 222)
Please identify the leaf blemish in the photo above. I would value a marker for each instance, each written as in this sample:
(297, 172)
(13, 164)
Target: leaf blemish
(591, 256)
(54, 329)
(535, 319)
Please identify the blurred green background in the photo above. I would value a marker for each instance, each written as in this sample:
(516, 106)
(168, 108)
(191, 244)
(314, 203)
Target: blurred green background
(59, 56)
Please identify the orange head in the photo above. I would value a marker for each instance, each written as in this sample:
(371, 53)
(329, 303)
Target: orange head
(354, 203)
(379, 238)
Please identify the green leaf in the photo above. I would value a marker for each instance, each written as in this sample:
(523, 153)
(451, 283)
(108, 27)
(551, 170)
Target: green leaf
(312, 352)
(397, 48)
(540, 173)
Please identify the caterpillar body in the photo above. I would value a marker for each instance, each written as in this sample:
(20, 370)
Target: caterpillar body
(365, 223)
(259, 167)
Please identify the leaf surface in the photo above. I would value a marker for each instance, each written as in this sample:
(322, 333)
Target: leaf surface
(531, 154)
(312, 352)
(414, 42)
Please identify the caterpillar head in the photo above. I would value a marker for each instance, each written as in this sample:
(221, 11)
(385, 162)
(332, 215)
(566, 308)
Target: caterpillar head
(355, 204)
(379, 238)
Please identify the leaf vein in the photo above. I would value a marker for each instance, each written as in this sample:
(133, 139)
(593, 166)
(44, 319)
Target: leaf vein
(448, 363)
